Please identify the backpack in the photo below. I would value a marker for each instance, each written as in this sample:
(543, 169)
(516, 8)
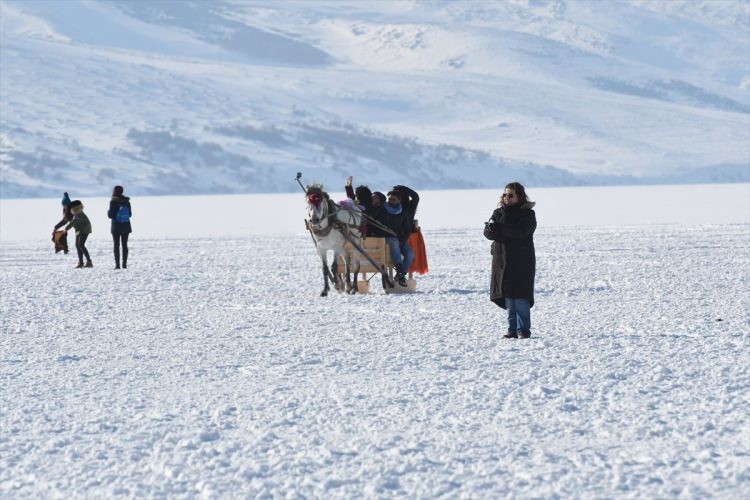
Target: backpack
(123, 214)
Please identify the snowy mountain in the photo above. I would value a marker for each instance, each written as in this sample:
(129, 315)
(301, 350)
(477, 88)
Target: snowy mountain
(235, 96)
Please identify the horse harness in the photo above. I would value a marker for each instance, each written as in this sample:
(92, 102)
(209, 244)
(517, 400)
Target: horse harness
(333, 209)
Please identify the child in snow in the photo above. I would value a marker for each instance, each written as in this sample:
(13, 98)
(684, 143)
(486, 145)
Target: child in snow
(61, 241)
(66, 212)
(82, 226)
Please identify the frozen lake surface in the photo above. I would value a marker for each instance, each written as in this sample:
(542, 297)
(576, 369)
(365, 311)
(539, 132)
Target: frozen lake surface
(211, 367)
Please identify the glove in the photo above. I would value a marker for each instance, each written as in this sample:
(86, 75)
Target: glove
(492, 231)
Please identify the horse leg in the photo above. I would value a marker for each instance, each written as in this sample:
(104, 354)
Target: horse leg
(324, 293)
(347, 267)
(355, 286)
(335, 272)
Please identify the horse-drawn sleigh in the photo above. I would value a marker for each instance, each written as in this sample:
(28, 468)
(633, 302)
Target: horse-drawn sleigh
(337, 228)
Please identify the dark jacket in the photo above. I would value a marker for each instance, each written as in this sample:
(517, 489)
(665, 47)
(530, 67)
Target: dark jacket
(66, 217)
(397, 223)
(114, 205)
(369, 210)
(80, 222)
(409, 202)
(513, 257)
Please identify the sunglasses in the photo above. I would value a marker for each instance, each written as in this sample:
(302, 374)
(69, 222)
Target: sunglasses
(393, 200)
(509, 195)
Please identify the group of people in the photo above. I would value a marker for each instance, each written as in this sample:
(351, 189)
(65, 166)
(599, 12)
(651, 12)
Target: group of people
(510, 228)
(390, 216)
(74, 217)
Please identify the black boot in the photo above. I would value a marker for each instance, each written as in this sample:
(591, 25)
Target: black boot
(400, 276)
(510, 335)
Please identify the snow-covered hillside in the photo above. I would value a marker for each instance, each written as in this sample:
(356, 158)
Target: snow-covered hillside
(235, 96)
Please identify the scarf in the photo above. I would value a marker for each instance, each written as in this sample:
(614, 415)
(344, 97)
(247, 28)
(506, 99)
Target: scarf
(393, 210)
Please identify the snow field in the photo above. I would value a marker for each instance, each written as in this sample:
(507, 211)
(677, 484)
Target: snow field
(211, 368)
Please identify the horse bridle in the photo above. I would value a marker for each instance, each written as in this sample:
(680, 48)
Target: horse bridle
(315, 226)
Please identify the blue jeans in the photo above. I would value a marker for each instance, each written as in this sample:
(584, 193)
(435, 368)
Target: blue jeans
(395, 248)
(519, 315)
(408, 254)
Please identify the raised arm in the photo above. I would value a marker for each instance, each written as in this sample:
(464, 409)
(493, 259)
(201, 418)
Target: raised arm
(413, 196)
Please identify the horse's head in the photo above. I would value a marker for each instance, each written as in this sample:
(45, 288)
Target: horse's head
(317, 204)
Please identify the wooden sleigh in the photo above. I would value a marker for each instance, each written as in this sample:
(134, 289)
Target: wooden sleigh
(378, 251)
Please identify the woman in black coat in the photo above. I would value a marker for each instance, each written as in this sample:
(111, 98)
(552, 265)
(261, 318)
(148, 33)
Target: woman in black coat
(120, 212)
(511, 229)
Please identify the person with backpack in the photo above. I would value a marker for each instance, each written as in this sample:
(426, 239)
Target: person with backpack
(82, 225)
(120, 213)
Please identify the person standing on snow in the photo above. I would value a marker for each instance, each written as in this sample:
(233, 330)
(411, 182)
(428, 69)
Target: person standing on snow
(511, 229)
(82, 224)
(120, 213)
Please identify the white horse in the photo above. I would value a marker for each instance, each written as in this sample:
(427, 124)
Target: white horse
(329, 223)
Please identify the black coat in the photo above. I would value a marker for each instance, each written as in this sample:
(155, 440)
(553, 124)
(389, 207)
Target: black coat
(409, 202)
(67, 217)
(398, 223)
(370, 211)
(114, 205)
(513, 257)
